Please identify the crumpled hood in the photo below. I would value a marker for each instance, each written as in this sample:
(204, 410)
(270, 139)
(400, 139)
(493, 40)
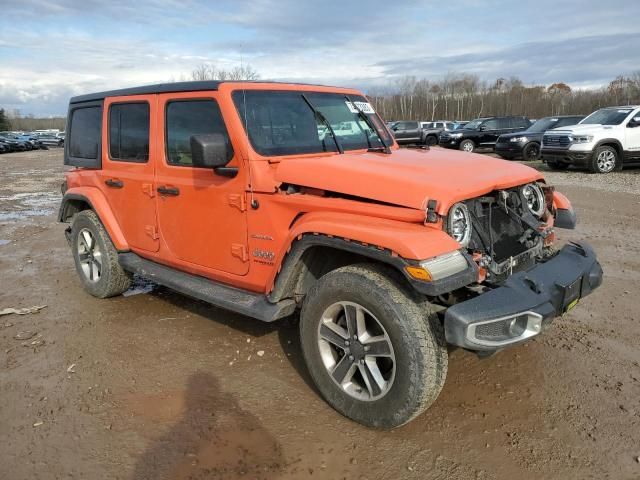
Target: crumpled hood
(407, 177)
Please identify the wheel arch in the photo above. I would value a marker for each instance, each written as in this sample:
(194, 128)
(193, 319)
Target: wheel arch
(328, 241)
(611, 142)
(78, 199)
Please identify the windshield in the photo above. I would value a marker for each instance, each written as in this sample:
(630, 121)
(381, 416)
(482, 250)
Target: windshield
(474, 124)
(607, 116)
(543, 125)
(283, 123)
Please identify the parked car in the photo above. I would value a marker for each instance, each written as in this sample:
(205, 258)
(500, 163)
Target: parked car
(15, 144)
(51, 140)
(526, 144)
(459, 124)
(431, 131)
(4, 147)
(386, 254)
(606, 140)
(482, 132)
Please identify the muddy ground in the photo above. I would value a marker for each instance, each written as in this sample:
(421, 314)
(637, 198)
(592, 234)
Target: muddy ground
(159, 386)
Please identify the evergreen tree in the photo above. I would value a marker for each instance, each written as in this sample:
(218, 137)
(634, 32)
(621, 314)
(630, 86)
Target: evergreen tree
(4, 121)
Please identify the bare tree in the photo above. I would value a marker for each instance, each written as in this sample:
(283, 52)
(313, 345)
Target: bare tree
(208, 71)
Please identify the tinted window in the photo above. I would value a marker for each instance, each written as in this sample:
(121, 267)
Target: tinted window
(188, 118)
(563, 122)
(520, 122)
(85, 132)
(129, 132)
(490, 124)
(412, 125)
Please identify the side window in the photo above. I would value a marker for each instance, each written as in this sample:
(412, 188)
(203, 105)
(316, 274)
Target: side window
(522, 123)
(84, 138)
(185, 118)
(439, 125)
(490, 124)
(400, 126)
(129, 132)
(412, 125)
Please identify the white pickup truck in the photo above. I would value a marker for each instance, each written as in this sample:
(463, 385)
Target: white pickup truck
(605, 141)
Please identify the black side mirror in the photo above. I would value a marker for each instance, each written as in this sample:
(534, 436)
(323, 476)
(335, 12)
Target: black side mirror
(482, 128)
(634, 122)
(212, 151)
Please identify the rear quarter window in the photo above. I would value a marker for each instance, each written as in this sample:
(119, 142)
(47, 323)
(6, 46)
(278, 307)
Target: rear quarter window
(83, 146)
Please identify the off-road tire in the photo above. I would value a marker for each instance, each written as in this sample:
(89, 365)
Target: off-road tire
(596, 166)
(415, 333)
(531, 152)
(465, 148)
(555, 165)
(113, 279)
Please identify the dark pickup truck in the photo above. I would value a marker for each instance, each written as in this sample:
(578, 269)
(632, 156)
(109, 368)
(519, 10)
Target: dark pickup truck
(482, 132)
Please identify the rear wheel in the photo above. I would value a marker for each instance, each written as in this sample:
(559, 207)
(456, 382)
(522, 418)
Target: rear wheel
(431, 140)
(96, 258)
(467, 146)
(605, 160)
(375, 351)
(531, 152)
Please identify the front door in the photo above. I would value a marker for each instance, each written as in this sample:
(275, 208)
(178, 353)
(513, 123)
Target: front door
(128, 161)
(632, 139)
(202, 215)
(490, 133)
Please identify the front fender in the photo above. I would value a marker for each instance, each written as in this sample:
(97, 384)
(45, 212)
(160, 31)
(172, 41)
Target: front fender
(99, 204)
(395, 243)
(408, 240)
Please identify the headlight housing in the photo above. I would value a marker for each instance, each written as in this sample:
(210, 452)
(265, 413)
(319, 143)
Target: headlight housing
(582, 139)
(519, 139)
(456, 135)
(535, 198)
(459, 224)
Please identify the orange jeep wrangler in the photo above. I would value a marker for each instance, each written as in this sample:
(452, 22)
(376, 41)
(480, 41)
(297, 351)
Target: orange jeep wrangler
(270, 199)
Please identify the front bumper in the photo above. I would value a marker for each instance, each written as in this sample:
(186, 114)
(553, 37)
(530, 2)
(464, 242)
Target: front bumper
(450, 143)
(526, 303)
(572, 157)
(509, 148)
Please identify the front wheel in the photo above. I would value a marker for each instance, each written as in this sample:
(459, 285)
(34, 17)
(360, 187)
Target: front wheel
(531, 152)
(605, 160)
(375, 350)
(431, 140)
(467, 146)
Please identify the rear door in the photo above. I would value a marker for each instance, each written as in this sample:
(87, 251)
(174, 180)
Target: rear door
(202, 215)
(128, 161)
(632, 138)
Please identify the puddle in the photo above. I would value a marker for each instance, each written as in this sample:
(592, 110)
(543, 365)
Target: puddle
(28, 204)
(139, 286)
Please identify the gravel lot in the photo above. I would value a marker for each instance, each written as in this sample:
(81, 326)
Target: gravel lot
(155, 385)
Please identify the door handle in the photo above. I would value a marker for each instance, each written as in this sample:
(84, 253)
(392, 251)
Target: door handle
(169, 191)
(114, 183)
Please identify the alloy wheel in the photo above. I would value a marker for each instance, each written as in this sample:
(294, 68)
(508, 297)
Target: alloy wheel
(90, 255)
(606, 161)
(356, 351)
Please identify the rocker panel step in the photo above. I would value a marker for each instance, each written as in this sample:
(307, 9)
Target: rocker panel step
(240, 301)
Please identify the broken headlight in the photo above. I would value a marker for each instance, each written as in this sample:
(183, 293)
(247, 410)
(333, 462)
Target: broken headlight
(459, 224)
(534, 197)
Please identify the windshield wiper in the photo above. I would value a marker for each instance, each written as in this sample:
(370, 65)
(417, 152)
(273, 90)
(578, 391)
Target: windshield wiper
(324, 120)
(384, 148)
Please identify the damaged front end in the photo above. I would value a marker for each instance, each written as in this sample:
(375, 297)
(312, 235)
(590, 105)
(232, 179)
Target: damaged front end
(523, 281)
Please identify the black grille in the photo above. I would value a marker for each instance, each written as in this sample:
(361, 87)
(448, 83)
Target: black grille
(556, 140)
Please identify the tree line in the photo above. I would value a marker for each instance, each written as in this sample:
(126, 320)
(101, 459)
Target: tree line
(465, 97)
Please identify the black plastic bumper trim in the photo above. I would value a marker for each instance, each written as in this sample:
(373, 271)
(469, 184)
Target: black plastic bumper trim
(565, 218)
(547, 289)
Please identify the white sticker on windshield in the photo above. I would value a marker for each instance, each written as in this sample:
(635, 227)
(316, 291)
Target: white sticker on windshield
(365, 107)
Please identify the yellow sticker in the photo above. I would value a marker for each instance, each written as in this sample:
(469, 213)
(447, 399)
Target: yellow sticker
(572, 304)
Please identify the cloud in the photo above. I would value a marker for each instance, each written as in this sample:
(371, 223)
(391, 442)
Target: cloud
(65, 47)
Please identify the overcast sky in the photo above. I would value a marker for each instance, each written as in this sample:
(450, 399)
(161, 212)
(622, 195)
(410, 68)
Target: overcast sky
(50, 50)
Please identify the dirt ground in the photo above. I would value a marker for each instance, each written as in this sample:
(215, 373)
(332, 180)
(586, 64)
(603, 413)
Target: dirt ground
(155, 385)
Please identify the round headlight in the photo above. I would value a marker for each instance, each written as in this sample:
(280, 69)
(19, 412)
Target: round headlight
(534, 198)
(459, 224)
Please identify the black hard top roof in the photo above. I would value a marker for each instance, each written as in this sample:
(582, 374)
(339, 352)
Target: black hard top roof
(165, 88)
